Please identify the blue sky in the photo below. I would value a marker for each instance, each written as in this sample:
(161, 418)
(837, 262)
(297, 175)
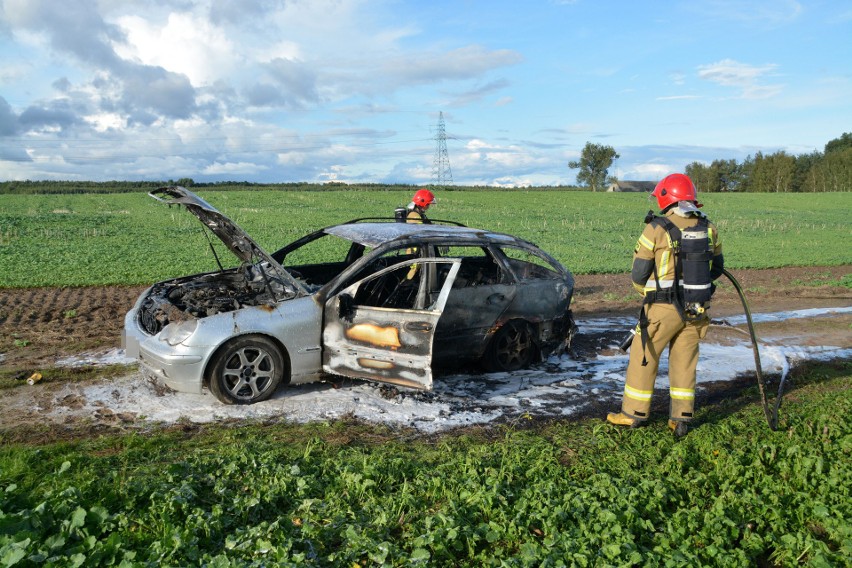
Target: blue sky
(350, 90)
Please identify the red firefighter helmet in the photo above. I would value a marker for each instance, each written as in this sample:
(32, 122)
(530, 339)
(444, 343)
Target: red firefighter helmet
(674, 188)
(423, 198)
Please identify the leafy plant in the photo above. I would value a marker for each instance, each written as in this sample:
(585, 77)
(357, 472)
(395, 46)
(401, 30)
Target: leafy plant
(128, 238)
(732, 493)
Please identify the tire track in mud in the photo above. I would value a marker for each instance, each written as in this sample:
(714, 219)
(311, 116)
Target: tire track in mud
(38, 325)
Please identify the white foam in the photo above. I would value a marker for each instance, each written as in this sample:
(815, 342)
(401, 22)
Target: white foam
(561, 386)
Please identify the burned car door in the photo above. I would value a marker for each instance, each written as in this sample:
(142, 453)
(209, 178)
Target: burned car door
(382, 327)
(481, 294)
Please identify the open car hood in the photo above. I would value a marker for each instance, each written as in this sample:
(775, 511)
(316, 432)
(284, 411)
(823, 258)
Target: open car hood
(237, 240)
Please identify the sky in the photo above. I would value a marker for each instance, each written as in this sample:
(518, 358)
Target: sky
(353, 91)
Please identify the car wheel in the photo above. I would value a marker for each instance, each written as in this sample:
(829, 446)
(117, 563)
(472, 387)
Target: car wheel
(246, 370)
(511, 348)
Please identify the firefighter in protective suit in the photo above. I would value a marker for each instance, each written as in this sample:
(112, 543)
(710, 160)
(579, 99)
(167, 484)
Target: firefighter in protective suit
(675, 261)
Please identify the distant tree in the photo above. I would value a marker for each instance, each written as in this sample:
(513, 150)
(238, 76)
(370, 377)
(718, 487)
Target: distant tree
(185, 182)
(594, 164)
(702, 176)
(728, 175)
(832, 173)
(768, 173)
(720, 175)
(803, 177)
(845, 141)
(782, 171)
(748, 181)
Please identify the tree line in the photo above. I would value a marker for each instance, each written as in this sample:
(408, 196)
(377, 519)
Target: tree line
(780, 172)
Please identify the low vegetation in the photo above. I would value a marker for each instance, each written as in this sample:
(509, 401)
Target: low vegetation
(95, 239)
(732, 493)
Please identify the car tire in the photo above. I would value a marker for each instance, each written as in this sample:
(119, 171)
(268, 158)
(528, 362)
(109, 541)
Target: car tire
(511, 348)
(247, 370)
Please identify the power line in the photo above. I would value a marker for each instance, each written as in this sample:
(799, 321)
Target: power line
(442, 175)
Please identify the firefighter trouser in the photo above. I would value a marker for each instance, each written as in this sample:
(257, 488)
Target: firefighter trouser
(665, 328)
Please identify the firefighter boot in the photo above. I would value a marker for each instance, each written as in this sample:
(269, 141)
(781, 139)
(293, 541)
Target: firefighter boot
(621, 419)
(678, 428)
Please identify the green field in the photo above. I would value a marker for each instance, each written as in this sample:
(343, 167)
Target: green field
(94, 239)
(732, 493)
(564, 493)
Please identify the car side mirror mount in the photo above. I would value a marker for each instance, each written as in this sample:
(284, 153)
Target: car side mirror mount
(346, 307)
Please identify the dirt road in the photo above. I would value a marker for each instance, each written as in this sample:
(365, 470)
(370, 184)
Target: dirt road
(38, 327)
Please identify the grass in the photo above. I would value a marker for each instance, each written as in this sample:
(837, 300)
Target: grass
(824, 279)
(95, 239)
(732, 493)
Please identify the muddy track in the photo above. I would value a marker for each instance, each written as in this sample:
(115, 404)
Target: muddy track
(39, 325)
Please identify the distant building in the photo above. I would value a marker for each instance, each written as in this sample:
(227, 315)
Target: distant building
(635, 186)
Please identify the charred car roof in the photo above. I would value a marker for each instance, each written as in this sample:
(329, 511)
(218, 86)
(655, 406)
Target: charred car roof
(375, 234)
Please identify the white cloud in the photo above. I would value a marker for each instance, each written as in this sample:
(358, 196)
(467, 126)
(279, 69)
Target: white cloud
(188, 44)
(677, 77)
(230, 168)
(12, 71)
(105, 121)
(350, 89)
(745, 77)
(457, 64)
(652, 172)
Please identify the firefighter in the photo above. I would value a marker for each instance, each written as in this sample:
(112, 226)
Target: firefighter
(675, 261)
(416, 210)
(416, 213)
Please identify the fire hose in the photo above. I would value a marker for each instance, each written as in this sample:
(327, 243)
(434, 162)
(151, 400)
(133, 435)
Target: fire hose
(771, 414)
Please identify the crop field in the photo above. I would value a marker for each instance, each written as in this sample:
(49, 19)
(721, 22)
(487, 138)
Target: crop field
(97, 239)
(732, 493)
(528, 492)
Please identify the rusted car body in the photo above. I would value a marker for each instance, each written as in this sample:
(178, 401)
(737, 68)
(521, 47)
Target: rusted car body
(386, 302)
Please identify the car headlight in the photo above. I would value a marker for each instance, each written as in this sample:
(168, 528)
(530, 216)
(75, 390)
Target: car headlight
(178, 332)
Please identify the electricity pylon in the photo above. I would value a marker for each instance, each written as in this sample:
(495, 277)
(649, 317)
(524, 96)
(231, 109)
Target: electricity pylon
(442, 175)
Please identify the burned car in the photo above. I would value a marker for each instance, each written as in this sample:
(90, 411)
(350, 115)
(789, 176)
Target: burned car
(370, 299)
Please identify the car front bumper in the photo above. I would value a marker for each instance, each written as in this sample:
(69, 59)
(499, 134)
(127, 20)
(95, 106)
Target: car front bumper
(176, 366)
